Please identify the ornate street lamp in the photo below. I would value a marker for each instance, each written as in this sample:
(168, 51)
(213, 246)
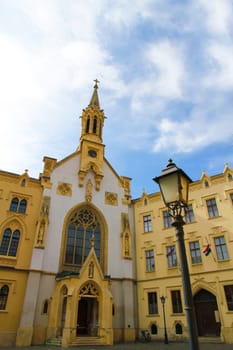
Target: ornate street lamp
(174, 184)
(162, 298)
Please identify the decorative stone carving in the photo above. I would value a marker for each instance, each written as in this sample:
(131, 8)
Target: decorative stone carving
(49, 164)
(98, 179)
(111, 198)
(125, 183)
(91, 270)
(81, 177)
(64, 189)
(217, 230)
(89, 289)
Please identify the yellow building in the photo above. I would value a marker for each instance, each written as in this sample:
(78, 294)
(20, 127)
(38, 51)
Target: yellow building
(19, 206)
(209, 248)
(83, 263)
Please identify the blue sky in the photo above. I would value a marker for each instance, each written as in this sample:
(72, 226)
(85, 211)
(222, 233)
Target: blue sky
(166, 83)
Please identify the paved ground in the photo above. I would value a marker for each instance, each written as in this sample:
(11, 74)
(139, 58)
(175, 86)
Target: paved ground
(135, 346)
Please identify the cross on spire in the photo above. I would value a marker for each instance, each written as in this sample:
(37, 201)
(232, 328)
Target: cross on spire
(96, 83)
(94, 102)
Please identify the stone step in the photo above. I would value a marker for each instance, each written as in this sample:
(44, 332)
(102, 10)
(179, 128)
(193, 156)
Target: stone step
(54, 341)
(215, 340)
(87, 341)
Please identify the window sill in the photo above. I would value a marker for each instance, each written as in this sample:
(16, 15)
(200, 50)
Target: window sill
(190, 222)
(152, 315)
(197, 264)
(8, 260)
(172, 267)
(18, 213)
(152, 271)
(167, 228)
(223, 261)
(214, 217)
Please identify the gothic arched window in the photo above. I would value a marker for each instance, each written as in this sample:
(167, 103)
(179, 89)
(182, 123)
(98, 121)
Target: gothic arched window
(22, 206)
(82, 227)
(18, 205)
(88, 125)
(10, 242)
(23, 183)
(4, 291)
(94, 125)
(14, 204)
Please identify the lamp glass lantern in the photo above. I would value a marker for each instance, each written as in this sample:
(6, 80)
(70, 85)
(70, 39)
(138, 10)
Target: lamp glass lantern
(174, 184)
(162, 298)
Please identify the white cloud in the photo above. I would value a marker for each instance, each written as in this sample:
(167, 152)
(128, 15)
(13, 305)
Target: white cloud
(165, 76)
(36, 76)
(206, 125)
(122, 14)
(219, 16)
(220, 76)
(170, 72)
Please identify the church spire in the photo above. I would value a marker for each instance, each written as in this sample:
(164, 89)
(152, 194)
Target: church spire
(94, 102)
(93, 118)
(91, 146)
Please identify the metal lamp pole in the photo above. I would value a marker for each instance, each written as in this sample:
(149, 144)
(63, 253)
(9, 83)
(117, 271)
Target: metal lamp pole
(188, 298)
(174, 184)
(164, 320)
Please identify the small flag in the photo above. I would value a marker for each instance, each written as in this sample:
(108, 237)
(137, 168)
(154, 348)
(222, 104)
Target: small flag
(170, 252)
(207, 250)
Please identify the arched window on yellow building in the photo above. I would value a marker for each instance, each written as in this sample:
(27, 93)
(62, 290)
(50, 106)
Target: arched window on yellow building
(10, 242)
(18, 205)
(4, 291)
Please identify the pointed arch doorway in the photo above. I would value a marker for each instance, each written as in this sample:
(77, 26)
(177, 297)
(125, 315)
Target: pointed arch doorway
(207, 316)
(87, 320)
(88, 311)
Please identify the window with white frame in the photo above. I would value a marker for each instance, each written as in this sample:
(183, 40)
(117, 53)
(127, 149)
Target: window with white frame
(147, 223)
(152, 303)
(221, 248)
(176, 301)
(171, 256)
(167, 219)
(189, 214)
(150, 260)
(212, 207)
(195, 252)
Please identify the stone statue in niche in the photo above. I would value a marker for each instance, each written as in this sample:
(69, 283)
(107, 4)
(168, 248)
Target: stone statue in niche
(126, 236)
(89, 188)
(42, 223)
(126, 244)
